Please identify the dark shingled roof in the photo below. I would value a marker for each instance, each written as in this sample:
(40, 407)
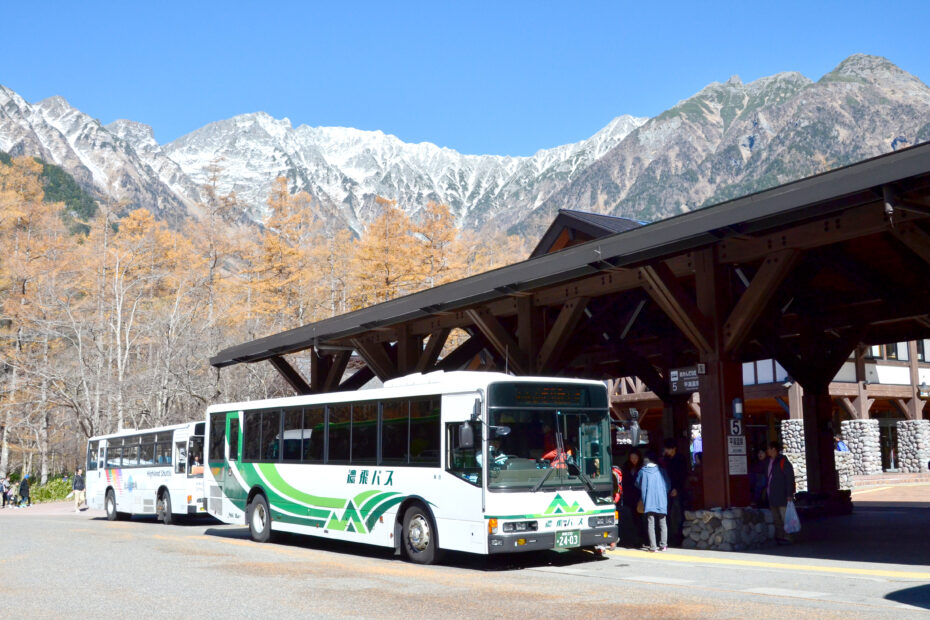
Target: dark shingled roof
(594, 225)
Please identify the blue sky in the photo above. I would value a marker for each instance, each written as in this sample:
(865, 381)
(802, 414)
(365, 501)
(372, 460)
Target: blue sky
(480, 77)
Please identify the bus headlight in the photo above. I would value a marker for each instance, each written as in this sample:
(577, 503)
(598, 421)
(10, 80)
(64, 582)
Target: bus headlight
(521, 526)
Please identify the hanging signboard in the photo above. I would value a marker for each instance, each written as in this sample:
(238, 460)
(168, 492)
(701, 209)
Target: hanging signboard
(684, 380)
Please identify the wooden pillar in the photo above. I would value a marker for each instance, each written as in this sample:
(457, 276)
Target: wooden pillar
(818, 440)
(719, 387)
(795, 401)
(914, 404)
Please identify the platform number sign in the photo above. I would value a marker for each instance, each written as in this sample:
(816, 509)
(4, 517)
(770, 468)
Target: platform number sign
(736, 427)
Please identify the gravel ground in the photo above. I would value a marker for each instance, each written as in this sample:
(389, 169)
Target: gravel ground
(62, 564)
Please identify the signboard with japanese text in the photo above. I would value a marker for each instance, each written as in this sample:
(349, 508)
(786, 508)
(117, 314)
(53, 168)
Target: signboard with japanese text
(684, 380)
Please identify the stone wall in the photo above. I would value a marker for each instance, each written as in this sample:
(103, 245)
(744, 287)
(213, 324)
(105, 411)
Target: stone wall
(792, 438)
(863, 440)
(728, 530)
(844, 469)
(913, 450)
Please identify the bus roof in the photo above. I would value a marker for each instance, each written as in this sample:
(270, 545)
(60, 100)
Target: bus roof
(417, 384)
(144, 431)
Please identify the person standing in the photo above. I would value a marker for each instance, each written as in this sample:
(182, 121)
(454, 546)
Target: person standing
(653, 483)
(24, 492)
(631, 498)
(4, 489)
(676, 465)
(780, 489)
(77, 485)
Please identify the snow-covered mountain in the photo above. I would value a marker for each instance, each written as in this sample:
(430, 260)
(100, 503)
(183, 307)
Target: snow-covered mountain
(348, 168)
(99, 160)
(727, 140)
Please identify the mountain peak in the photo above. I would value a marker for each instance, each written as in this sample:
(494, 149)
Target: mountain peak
(136, 133)
(56, 104)
(866, 69)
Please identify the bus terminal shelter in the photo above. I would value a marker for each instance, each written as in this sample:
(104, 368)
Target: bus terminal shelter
(802, 273)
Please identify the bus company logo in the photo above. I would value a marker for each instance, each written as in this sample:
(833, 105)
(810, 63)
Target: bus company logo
(383, 477)
(163, 473)
(131, 484)
(560, 507)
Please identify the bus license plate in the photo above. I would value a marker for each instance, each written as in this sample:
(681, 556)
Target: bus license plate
(567, 539)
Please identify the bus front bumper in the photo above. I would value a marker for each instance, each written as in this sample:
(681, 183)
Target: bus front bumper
(538, 541)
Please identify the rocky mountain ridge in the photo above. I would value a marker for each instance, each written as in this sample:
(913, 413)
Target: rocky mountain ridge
(727, 140)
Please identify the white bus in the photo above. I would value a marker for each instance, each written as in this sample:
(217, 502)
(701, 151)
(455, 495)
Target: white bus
(467, 461)
(152, 472)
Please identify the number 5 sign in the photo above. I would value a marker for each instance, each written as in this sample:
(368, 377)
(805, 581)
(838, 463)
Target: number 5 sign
(736, 427)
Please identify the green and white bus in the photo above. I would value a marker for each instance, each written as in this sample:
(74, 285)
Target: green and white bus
(467, 461)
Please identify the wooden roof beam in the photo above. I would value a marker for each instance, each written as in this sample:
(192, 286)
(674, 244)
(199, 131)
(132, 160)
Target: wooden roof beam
(376, 356)
(665, 290)
(290, 375)
(561, 332)
(437, 340)
(501, 339)
(754, 301)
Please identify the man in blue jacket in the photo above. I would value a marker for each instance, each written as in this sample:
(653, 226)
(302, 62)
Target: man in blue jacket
(653, 483)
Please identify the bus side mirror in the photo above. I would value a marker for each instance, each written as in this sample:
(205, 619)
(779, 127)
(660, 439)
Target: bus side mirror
(466, 436)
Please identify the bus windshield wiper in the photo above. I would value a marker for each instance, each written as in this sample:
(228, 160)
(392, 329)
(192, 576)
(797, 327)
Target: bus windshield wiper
(584, 478)
(559, 452)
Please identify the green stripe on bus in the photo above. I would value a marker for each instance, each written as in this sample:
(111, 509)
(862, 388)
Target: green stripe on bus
(271, 474)
(381, 509)
(374, 501)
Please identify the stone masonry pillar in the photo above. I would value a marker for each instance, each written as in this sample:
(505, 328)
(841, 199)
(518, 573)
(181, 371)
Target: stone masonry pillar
(913, 449)
(862, 437)
(792, 437)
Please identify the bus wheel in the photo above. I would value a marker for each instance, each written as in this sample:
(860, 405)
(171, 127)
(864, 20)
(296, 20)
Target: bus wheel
(163, 508)
(110, 505)
(260, 519)
(419, 536)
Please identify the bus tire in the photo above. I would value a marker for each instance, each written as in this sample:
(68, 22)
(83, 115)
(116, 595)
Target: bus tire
(165, 503)
(260, 519)
(420, 538)
(110, 505)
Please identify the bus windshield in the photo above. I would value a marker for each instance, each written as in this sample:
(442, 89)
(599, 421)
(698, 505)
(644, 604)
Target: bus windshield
(534, 446)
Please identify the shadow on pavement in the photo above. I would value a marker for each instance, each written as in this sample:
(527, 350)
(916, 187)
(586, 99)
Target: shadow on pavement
(507, 562)
(179, 521)
(890, 534)
(918, 596)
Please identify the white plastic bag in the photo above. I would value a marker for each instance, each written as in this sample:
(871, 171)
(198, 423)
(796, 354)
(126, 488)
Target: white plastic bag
(69, 495)
(792, 522)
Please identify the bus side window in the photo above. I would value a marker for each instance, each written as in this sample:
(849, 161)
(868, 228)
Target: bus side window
(463, 462)
(92, 455)
(180, 466)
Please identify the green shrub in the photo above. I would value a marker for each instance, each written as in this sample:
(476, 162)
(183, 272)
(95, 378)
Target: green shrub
(55, 490)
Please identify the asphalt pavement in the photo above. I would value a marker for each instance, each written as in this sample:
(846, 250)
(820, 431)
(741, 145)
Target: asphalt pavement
(56, 563)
